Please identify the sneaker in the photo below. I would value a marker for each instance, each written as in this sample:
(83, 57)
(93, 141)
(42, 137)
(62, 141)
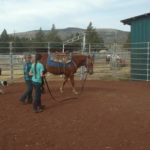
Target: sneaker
(40, 110)
(42, 107)
(37, 110)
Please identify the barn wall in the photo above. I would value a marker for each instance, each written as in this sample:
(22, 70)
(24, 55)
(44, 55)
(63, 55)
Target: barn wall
(140, 64)
(140, 30)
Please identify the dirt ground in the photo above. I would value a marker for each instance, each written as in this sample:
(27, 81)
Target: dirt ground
(108, 115)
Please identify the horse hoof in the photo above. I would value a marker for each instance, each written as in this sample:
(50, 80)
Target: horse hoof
(75, 92)
(61, 90)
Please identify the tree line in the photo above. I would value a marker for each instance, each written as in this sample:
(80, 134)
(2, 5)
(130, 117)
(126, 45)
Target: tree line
(21, 44)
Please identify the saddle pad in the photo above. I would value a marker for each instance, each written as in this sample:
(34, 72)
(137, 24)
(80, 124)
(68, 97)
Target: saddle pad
(57, 64)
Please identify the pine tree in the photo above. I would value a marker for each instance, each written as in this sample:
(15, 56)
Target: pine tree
(18, 45)
(4, 39)
(39, 39)
(4, 36)
(54, 39)
(52, 36)
(92, 37)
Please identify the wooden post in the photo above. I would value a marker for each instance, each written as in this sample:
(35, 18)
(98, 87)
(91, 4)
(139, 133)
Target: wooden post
(63, 50)
(11, 61)
(83, 50)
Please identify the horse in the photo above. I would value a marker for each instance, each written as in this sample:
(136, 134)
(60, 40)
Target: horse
(117, 61)
(68, 69)
(108, 57)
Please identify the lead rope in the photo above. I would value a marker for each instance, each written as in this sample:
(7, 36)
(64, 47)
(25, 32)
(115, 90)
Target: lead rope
(49, 90)
(54, 99)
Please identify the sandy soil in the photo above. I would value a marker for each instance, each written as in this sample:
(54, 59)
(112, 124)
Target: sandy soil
(108, 115)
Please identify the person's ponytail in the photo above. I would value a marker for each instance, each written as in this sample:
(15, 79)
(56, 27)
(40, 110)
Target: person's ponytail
(37, 58)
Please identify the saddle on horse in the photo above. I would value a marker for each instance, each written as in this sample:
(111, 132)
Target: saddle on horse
(59, 59)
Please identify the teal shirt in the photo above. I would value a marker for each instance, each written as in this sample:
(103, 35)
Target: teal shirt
(36, 77)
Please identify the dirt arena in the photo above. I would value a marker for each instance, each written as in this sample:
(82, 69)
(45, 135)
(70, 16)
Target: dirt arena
(108, 115)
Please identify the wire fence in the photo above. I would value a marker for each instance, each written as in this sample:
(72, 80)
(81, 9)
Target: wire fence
(115, 61)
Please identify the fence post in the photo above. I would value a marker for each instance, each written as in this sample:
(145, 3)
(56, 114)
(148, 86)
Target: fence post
(148, 48)
(84, 38)
(113, 60)
(89, 48)
(48, 48)
(11, 61)
(63, 48)
(83, 50)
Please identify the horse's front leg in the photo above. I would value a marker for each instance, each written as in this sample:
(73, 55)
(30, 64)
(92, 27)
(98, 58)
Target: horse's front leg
(72, 83)
(64, 82)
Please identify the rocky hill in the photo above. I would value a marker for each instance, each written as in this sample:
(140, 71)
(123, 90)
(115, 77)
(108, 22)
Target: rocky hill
(108, 35)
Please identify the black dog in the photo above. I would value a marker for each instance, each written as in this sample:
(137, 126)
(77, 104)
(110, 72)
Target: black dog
(2, 85)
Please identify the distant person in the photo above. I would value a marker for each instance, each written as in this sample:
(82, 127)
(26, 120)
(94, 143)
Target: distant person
(36, 71)
(27, 95)
(108, 57)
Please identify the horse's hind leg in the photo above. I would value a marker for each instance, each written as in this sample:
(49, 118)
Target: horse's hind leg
(72, 83)
(64, 82)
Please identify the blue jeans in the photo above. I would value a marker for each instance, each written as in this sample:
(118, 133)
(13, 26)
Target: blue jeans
(37, 97)
(28, 93)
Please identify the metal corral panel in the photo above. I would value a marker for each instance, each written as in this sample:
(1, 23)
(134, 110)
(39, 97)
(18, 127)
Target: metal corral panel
(140, 61)
(140, 36)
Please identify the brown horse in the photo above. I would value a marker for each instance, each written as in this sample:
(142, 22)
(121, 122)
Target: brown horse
(68, 69)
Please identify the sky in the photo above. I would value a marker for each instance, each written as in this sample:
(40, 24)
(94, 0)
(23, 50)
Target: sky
(26, 15)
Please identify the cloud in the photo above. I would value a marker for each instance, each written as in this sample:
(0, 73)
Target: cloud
(32, 14)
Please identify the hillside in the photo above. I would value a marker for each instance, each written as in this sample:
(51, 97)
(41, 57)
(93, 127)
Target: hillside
(108, 35)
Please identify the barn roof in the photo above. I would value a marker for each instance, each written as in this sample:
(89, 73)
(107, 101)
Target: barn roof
(129, 20)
